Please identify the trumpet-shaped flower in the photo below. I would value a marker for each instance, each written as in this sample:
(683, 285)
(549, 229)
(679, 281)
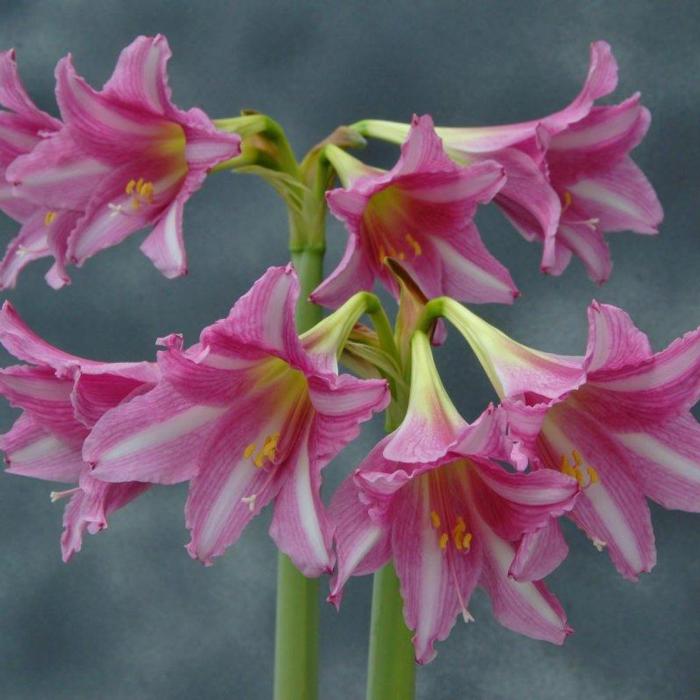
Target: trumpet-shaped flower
(44, 231)
(569, 175)
(617, 419)
(419, 213)
(249, 414)
(127, 156)
(61, 397)
(431, 497)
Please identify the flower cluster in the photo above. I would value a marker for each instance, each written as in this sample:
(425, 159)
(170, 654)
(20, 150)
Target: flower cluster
(251, 413)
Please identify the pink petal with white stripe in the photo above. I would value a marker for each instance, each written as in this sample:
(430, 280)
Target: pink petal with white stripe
(585, 240)
(32, 450)
(539, 553)
(362, 544)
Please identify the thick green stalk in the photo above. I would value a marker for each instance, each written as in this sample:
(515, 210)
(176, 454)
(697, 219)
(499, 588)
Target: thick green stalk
(391, 670)
(296, 640)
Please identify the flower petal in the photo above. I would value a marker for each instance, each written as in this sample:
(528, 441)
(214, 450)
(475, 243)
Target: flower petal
(586, 241)
(432, 424)
(611, 509)
(525, 607)
(435, 583)
(362, 545)
(621, 198)
(229, 489)
(156, 437)
(614, 341)
(140, 76)
(666, 459)
(31, 450)
(165, 246)
(90, 507)
(539, 553)
(31, 243)
(422, 150)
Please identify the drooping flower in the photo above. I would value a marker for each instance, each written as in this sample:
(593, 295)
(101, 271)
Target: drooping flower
(419, 213)
(431, 497)
(249, 414)
(127, 156)
(617, 419)
(569, 175)
(61, 397)
(44, 231)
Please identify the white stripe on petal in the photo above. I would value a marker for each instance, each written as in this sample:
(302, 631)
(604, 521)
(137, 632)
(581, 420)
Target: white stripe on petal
(649, 447)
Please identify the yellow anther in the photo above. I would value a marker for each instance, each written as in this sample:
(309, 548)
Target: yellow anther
(49, 218)
(248, 452)
(260, 459)
(578, 474)
(146, 191)
(139, 184)
(444, 539)
(578, 460)
(135, 203)
(567, 469)
(567, 200)
(458, 532)
(467, 540)
(414, 244)
(130, 186)
(593, 475)
(435, 519)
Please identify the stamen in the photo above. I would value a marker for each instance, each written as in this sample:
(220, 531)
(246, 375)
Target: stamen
(467, 541)
(584, 474)
(567, 200)
(592, 475)
(49, 218)
(249, 450)
(435, 519)
(444, 539)
(414, 244)
(58, 495)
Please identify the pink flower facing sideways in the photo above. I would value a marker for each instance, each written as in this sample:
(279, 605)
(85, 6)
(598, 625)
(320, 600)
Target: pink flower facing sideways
(127, 157)
(617, 419)
(569, 175)
(420, 214)
(431, 496)
(249, 414)
(44, 231)
(61, 397)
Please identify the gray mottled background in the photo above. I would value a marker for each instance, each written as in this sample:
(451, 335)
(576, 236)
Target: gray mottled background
(132, 616)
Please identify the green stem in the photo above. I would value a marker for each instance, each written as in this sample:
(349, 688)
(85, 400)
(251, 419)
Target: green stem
(391, 669)
(296, 624)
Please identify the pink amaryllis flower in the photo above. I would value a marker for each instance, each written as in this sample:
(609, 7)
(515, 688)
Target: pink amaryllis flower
(127, 156)
(249, 414)
(431, 497)
(61, 397)
(44, 231)
(419, 213)
(570, 177)
(617, 419)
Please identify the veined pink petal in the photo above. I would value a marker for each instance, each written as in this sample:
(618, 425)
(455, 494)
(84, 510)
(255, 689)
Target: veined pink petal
(514, 503)
(362, 545)
(165, 246)
(14, 97)
(525, 607)
(529, 202)
(666, 383)
(105, 128)
(585, 240)
(156, 437)
(436, 583)
(140, 76)
(600, 81)
(423, 149)
(56, 174)
(206, 146)
(605, 135)
(300, 525)
(31, 243)
(229, 488)
(620, 198)
(539, 553)
(90, 507)
(614, 341)
(32, 450)
(612, 509)
(432, 424)
(665, 455)
(114, 213)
